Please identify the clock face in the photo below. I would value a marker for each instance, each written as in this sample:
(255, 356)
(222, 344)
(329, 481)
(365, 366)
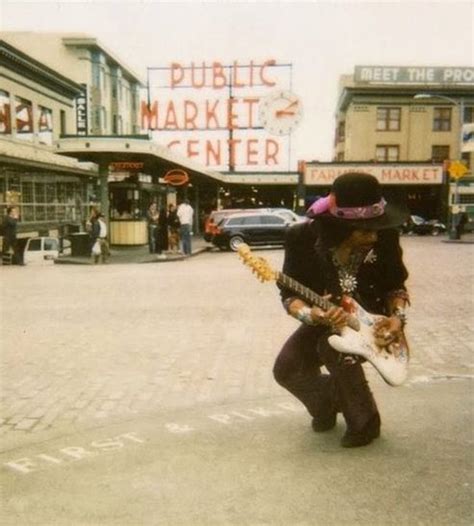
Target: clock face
(280, 112)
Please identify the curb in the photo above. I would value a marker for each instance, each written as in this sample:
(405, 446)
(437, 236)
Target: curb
(166, 259)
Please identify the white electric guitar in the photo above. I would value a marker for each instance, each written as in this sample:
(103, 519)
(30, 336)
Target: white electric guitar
(357, 338)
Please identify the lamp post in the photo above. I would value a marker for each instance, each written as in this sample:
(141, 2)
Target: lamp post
(460, 105)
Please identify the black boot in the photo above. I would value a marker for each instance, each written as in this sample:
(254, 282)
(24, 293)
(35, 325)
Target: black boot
(363, 437)
(357, 404)
(325, 413)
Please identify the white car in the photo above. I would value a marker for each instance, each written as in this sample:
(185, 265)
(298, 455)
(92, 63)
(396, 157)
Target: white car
(41, 250)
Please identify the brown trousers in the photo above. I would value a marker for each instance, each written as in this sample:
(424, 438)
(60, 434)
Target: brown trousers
(345, 389)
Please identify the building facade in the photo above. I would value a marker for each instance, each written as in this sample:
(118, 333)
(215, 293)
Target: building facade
(37, 105)
(408, 115)
(110, 103)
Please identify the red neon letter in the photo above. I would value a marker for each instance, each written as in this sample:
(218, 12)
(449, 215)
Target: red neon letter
(251, 153)
(215, 153)
(190, 116)
(266, 64)
(271, 151)
(190, 151)
(218, 73)
(250, 102)
(149, 116)
(177, 74)
(194, 84)
(231, 117)
(171, 121)
(211, 114)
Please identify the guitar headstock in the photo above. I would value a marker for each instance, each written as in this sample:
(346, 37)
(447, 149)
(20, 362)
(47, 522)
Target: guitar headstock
(259, 266)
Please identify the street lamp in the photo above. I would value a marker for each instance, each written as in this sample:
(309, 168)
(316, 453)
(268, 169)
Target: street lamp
(460, 105)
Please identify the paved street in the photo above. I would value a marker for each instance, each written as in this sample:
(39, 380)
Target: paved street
(142, 394)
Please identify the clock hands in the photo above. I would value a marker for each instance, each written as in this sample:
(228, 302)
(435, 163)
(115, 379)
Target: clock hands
(286, 111)
(282, 113)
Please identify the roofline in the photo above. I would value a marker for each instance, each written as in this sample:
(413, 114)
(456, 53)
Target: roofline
(93, 42)
(12, 57)
(349, 92)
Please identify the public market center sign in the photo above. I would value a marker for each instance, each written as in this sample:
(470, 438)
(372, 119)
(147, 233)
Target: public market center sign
(215, 114)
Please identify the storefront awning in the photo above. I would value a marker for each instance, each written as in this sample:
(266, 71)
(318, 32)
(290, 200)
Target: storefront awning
(156, 159)
(40, 158)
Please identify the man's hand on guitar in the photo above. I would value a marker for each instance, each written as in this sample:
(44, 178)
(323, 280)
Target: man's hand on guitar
(335, 317)
(387, 330)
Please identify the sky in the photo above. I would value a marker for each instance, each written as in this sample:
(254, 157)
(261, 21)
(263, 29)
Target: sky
(321, 39)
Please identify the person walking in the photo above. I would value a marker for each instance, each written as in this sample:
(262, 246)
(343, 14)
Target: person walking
(350, 249)
(173, 228)
(152, 220)
(9, 231)
(103, 243)
(94, 233)
(162, 232)
(185, 215)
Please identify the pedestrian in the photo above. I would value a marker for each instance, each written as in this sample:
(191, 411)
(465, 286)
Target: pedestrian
(103, 243)
(9, 231)
(461, 225)
(94, 233)
(152, 223)
(162, 232)
(185, 215)
(173, 228)
(349, 249)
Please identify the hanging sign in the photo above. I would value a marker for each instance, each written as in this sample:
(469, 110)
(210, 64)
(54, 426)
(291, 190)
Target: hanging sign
(176, 177)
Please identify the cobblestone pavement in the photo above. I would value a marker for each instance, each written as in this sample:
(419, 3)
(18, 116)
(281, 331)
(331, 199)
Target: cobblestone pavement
(89, 345)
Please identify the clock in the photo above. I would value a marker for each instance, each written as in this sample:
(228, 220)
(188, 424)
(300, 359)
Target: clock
(280, 112)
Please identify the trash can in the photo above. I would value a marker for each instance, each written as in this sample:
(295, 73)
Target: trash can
(80, 244)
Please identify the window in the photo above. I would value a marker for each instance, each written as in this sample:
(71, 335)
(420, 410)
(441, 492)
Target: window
(468, 115)
(272, 220)
(35, 245)
(388, 119)
(387, 153)
(251, 220)
(341, 131)
(340, 157)
(62, 117)
(45, 125)
(439, 153)
(442, 119)
(24, 118)
(5, 113)
(50, 244)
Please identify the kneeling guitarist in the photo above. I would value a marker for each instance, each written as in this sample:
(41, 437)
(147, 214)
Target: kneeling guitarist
(350, 249)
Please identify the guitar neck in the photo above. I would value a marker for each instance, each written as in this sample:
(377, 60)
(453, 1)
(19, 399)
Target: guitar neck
(311, 297)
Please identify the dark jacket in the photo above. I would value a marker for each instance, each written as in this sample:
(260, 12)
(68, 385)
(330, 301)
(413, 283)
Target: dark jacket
(308, 262)
(9, 228)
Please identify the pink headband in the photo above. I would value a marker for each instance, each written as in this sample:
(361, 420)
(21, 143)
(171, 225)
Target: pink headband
(328, 204)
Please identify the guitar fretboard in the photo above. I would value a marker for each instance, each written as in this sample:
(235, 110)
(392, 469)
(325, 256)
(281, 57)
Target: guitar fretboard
(311, 297)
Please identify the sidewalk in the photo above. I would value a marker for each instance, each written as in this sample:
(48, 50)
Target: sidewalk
(140, 254)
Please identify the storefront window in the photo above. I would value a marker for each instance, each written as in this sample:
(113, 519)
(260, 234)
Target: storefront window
(24, 118)
(40, 196)
(54, 198)
(50, 192)
(5, 113)
(45, 125)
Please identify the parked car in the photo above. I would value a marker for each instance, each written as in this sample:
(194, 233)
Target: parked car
(289, 215)
(217, 215)
(420, 226)
(214, 218)
(41, 250)
(255, 229)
